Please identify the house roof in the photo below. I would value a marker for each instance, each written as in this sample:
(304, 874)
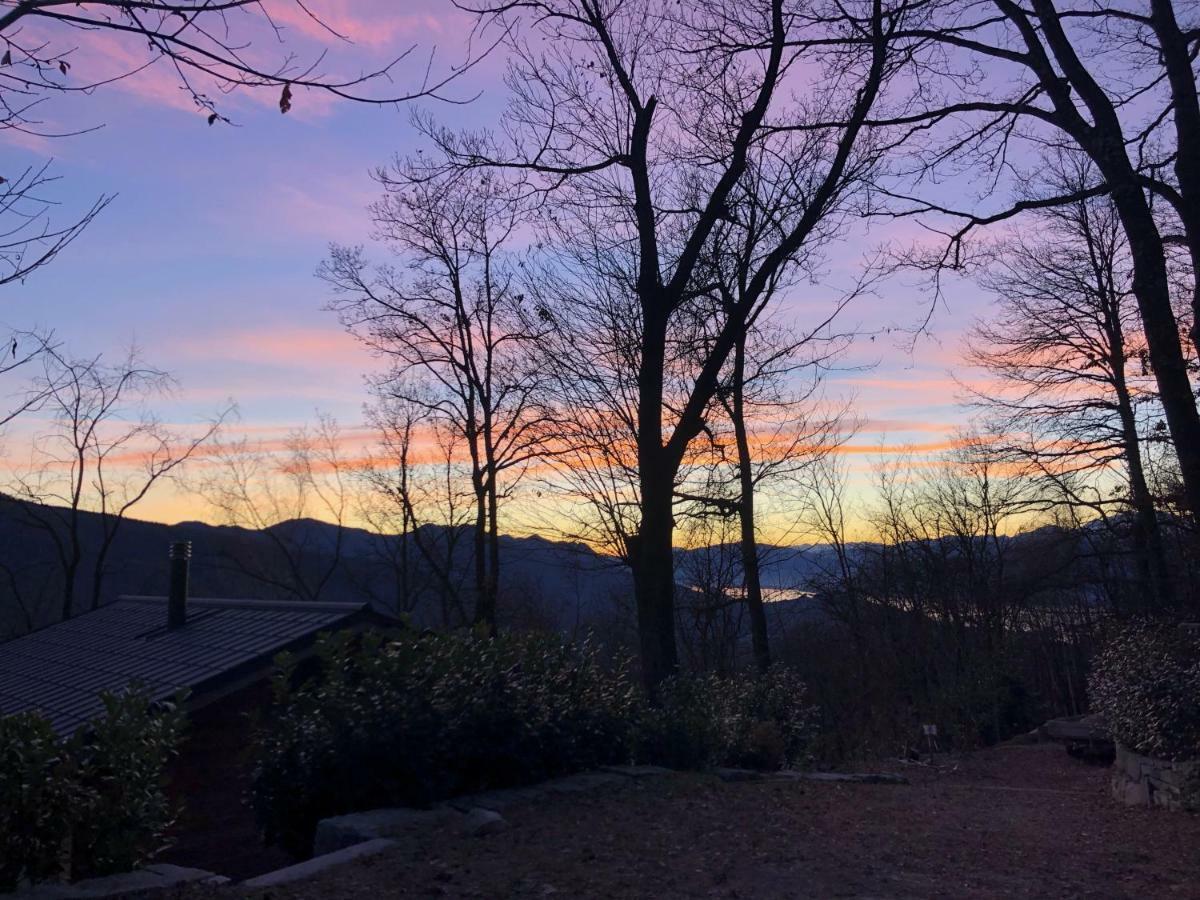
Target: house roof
(60, 670)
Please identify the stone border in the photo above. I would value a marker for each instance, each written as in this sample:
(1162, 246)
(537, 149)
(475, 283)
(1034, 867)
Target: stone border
(319, 864)
(464, 813)
(342, 839)
(1139, 780)
(158, 876)
(354, 828)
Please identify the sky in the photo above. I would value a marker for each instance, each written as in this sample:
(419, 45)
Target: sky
(205, 257)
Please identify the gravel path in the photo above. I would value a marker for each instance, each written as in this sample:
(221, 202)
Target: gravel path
(1017, 821)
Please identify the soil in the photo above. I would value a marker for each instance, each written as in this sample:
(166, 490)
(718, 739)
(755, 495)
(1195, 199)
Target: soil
(1013, 821)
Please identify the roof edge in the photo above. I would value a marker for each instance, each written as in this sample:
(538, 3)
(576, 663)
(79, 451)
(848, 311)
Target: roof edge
(223, 603)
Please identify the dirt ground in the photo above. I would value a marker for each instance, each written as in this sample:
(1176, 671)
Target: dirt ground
(1014, 821)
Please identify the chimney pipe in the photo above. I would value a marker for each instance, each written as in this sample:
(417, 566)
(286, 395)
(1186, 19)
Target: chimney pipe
(181, 552)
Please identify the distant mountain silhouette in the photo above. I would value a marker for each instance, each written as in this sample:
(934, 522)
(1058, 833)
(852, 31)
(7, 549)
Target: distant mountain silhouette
(554, 583)
(544, 583)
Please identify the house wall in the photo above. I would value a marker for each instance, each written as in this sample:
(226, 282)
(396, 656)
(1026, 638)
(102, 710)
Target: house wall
(211, 779)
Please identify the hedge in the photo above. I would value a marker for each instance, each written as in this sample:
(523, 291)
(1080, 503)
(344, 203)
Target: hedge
(411, 719)
(92, 804)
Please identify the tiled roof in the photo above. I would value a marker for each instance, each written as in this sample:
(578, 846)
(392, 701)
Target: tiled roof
(60, 670)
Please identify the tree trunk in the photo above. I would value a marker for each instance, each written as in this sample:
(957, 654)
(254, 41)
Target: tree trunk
(1177, 60)
(1147, 537)
(1104, 142)
(749, 542)
(653, 554)
(1152, 289)
(70, 569)
(493, 575)
(484, 614)
(654, 581)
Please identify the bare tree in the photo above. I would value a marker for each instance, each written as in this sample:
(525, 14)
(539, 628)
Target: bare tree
(637, 123)
(767, 425)
(770, 385)
(455, 315)
(103, 451)
(277, 491)
(387, 508)
(1073, 395)
(1113, 83)
(17, 355)
(212, 47)
(29, 239)
(419, 509)
(711, 607)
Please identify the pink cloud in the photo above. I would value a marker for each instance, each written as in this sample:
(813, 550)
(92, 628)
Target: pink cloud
(885, 426)
(301, 347)
(105, 55)
(34, 143)
(325, 207)
(375, 25)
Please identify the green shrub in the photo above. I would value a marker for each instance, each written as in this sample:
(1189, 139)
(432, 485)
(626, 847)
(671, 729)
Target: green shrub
(745, 720)
(683, 728)
(1145, 681)
(408, 720)
(121, 808)
(412, 719)
(35, 800)
(90, 805)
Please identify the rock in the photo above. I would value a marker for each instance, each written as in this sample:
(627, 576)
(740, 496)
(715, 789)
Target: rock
(1139, 780)
(584, 783)
(355, 828)
(317, 864)
(1129, 792)
(159, 876)
(638, 772)
(844, 777)
(499, 800)
(1076, 728)
(481, 822)
(344, 831)
(1031, 737)
(726, 774)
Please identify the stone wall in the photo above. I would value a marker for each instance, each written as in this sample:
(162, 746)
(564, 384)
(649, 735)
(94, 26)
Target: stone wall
(1146, 781)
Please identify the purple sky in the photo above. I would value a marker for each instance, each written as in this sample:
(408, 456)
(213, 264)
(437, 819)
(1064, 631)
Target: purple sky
(205, 258)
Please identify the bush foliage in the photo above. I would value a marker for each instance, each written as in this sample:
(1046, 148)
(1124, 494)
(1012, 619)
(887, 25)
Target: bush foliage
(91, 805)
(35, 800)
(1146, 683)
(410, 719)
(753, 721)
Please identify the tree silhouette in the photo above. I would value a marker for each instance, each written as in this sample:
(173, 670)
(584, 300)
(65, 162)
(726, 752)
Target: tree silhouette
(212, 47)
(636, 125)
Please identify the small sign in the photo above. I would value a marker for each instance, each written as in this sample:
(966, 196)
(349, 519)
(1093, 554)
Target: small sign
(929, 730)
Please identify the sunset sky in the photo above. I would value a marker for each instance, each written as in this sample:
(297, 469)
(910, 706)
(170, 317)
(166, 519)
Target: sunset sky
(205, 258)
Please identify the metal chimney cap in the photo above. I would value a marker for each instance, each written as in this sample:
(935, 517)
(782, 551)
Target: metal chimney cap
(181, 550)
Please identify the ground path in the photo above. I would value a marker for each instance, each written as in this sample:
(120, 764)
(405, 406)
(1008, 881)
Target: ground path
(1014, 821)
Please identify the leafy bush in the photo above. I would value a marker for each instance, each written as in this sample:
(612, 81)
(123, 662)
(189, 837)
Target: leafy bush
(1146, 683)
(746, 720)
(35, 800)
(416, 718)
(121, 810)
(408, 720)
(683, 729)
(91, 805)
